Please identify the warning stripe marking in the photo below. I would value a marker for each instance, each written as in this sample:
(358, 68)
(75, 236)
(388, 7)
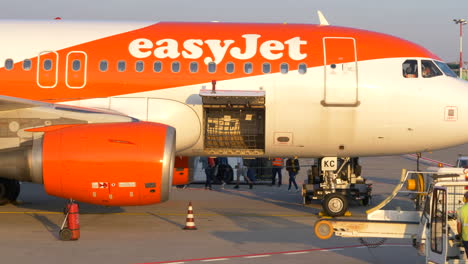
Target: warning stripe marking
(296, 253)
(258, 256)
(430, 160)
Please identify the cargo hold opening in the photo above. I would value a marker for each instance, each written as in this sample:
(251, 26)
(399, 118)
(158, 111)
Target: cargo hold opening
(234, 122)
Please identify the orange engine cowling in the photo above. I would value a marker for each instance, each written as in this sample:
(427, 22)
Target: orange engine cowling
(110, 164)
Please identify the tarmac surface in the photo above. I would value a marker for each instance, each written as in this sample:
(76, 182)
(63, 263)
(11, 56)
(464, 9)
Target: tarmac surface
(266, 224)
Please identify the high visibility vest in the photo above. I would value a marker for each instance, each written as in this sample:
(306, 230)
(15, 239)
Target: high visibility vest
(463, 218)
(277, 162)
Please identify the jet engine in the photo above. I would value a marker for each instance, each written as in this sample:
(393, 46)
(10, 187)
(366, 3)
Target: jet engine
(113, 164)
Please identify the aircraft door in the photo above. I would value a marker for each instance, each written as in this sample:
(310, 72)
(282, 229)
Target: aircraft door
(47, 69)
(75, 76)
(437, 238)
(340, 68)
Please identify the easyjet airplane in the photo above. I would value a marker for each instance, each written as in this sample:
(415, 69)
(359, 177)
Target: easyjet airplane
(99, 111)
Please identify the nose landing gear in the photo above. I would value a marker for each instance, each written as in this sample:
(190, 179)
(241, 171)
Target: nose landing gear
(334, 181)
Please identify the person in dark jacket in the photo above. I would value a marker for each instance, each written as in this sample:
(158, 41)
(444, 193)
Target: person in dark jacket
(208, 164)
(292, 166)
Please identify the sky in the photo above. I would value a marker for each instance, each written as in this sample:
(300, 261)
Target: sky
(428, 23)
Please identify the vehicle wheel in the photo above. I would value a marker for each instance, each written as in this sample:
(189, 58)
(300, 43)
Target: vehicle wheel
(335, 204)
(65, 234)
(323, 229)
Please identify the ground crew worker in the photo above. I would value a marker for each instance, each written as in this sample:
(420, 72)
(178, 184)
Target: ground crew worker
(241, 172)
(292, 166)
(462, 223)
(277, 166)
(209, 166)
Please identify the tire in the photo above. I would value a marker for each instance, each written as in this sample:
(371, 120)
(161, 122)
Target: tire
(335, 204)
(4, 191)
(65, 234)
(323, 229)
(14, 191)
(9, 190)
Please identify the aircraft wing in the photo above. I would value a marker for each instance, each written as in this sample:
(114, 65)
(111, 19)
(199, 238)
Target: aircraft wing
(18, 115)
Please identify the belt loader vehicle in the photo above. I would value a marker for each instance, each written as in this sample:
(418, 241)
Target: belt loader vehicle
(438, 194)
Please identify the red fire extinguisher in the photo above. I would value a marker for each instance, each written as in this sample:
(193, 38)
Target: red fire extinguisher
(72, 219)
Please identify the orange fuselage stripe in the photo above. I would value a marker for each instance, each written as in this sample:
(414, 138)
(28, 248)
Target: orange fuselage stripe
(291, 44)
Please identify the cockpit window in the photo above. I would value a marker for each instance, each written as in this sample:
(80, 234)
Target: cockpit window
(410, 69)
(429, 69)
(446, 69)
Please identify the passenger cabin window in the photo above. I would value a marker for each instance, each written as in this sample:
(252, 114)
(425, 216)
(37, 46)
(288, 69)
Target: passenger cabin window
(139, 66)
(194, 67)
(429, 69)
(175, 66)
(284, 68)
(266, 67)
(211, 67)
(302, 68)
(157, 66)
(47, 65)
(248, 68)
(103, 65)
(76, 65)
(27, 65)
(9, 64)
(229, 67)
(410, 69)
(121, 66)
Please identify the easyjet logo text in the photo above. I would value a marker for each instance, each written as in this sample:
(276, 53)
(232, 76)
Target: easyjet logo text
(195, 48)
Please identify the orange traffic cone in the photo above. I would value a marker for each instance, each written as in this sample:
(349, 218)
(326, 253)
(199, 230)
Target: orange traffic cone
(190, 223)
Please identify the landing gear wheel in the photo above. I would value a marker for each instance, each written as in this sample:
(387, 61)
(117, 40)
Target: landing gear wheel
(335, 204)
(4, 199)
(15, 189)
(9, 190)
(65, 234)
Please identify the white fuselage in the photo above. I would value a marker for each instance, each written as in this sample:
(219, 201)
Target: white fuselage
(395, 114)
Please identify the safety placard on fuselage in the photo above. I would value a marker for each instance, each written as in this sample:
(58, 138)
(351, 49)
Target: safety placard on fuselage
(451, 113)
